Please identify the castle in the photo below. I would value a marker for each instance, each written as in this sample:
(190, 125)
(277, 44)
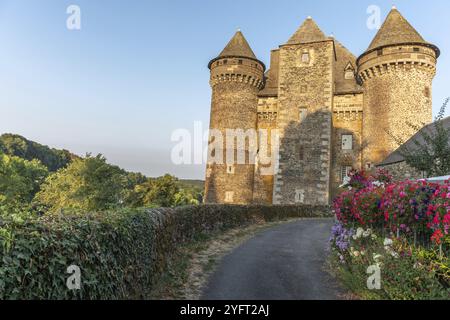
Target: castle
(333, 111)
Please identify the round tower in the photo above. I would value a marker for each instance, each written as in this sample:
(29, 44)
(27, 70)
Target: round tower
(396, 72)
(236, 77)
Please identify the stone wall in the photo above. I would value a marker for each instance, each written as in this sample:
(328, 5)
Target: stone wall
(235, 85)
(397, 86)
(347, 120)
(402, 171)
(305, 105)
(264, 172)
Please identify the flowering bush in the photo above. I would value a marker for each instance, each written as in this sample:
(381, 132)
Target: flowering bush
(401, 227)
(409, 207)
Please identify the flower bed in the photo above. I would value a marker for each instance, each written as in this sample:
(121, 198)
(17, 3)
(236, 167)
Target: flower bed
(402, 228)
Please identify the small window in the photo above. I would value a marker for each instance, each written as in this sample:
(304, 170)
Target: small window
(349, 74)
(427, 92)
(225, 61)
(230, 169)
(305, 57)
(229, 195)
(299, 196)
(345, 171)
(239, 61)
(347, 142)
(301, 152)
(368, 165)
(416, 49)
(380, 52)
(303, 113)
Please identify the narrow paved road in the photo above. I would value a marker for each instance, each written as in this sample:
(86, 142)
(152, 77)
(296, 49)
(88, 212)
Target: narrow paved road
(286, 262)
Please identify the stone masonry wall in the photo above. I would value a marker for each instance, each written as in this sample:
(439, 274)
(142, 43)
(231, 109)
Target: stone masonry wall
(397, 87)
(305, 153)
(267, 120)
(347, 120)
(233, 107)
(402, 171)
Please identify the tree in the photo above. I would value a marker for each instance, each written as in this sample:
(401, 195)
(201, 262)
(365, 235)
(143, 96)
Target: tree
(19, 180)
(165, 191)
(86, 184)
(431, 153)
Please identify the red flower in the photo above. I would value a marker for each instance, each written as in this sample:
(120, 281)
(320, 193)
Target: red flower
(437, 236)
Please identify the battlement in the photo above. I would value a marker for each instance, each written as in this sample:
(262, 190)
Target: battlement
(396, 58)
(237, 69)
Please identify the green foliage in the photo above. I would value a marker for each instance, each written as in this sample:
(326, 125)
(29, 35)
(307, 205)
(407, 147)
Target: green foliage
(409, 276)
(164, 191)
(121, 254)
(19, 180)
(88, 184)
(53, 159)
(433, 154)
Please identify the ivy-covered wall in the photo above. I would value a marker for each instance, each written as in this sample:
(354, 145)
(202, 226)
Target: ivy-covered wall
(120, 254)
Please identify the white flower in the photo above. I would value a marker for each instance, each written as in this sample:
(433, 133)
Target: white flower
(388, 242)
(374, 236)
(355, 253)
(378, 184)
(345, 182)
(359, 233)
(367, 233)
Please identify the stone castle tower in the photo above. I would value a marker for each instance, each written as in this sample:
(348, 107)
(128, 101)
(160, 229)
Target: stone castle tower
(325, 110)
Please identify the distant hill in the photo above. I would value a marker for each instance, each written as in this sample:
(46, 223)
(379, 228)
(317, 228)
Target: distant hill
(53, 159)
(193, 183)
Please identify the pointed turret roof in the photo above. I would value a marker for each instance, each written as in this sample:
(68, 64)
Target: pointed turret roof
(396, 30)
(309, 31)
(238, 46)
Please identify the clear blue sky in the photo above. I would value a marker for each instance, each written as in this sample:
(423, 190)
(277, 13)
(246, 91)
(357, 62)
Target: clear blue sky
(136, 70)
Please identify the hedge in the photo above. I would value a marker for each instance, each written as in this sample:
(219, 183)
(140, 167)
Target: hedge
(120, 253)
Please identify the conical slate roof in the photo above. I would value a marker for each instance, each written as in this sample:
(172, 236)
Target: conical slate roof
(308, 32)
(396, 30)
(238, 46)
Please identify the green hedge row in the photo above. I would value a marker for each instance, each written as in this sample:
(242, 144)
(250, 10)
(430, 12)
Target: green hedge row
(120, 254)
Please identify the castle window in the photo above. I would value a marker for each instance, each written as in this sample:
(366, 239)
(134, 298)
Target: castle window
(380, 52)
(225, 61)
(305, 57)
(239, 61)
(368, 165)
(299, 196)
(345, 170)
(416, 49)
(303, 113)
(427, 92)
(229, 195)
(230, 169)
(347, 142)
(349, 74)
(301, 153)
